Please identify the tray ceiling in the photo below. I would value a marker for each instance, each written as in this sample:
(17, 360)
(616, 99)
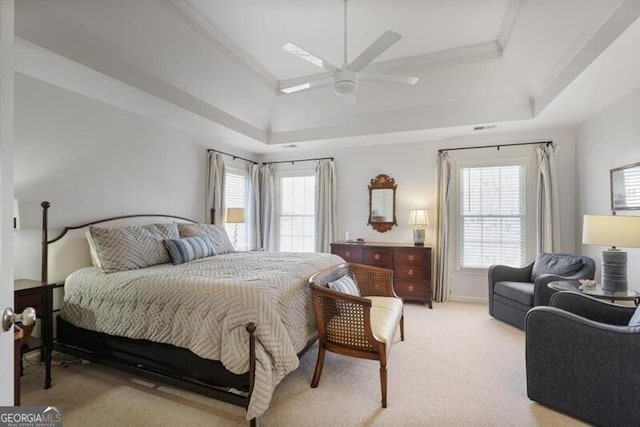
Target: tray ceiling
(479, 61)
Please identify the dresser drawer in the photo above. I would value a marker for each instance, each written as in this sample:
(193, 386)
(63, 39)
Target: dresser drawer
(412, 290)
(378, 257)
(29, 299)
(411, 271)
(349, 253)
(413, 256)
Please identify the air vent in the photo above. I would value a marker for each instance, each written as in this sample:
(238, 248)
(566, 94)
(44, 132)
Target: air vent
(484, 127)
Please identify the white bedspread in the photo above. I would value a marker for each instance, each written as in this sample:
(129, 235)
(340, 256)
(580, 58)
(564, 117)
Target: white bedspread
(204, 306)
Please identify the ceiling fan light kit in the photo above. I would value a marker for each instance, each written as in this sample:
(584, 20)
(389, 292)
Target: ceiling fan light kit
(345, 79)
(345, 82)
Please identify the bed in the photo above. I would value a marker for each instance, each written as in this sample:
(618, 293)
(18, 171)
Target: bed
(230, 326)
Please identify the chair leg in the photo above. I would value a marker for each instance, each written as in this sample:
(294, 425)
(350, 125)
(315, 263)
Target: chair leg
(402, 328)
(319, 365)
(383, 383)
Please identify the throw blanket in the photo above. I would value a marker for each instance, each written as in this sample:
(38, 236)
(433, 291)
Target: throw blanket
(204, 306)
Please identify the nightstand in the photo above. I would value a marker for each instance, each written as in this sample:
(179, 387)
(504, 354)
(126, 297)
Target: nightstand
(39, 295)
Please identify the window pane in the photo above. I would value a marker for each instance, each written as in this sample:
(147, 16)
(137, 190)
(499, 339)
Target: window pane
(235, 196)
(297, 213)
(492, 216)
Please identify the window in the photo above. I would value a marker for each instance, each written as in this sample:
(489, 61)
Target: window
(492, 215)
(235, 196)
(297, 214)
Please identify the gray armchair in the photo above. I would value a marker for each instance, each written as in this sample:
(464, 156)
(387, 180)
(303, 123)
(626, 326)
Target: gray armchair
(581, 359)
(513, 291)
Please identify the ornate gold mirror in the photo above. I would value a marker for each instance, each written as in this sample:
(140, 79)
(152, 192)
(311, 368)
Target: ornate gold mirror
(382, 203)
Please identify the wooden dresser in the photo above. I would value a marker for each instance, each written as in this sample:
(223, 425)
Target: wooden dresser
(411, 265)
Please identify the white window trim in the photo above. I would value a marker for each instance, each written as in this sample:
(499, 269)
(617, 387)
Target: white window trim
(528, 184)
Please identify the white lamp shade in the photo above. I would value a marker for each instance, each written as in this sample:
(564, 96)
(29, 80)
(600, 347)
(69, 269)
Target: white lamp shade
(235, 215)
(611, 230)
(419, 217)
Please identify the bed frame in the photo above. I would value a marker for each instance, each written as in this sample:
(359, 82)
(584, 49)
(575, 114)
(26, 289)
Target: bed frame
(164, 363)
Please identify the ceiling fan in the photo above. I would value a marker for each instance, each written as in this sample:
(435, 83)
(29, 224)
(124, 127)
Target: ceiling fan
(345, 79)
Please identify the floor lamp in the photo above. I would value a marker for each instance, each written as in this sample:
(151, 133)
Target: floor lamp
(235, 216)
(615, 231)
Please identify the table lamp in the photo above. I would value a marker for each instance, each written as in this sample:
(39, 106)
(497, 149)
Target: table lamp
(235, 216)
(615, 231)
(419, 218)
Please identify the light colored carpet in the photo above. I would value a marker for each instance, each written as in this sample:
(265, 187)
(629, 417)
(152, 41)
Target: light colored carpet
(457, 367)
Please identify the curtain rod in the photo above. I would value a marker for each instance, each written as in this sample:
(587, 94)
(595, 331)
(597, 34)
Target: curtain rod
(294, 161)
(209, 150)
(495, 146)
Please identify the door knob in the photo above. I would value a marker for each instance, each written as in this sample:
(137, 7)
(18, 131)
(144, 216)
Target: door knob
(27, 317)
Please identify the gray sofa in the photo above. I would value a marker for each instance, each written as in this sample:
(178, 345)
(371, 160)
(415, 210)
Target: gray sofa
(513, 291)
(581, 359)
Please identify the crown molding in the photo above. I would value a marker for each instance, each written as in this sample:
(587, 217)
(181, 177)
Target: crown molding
(588, 48)
(508, 22)
(199, 23)
(452, 114)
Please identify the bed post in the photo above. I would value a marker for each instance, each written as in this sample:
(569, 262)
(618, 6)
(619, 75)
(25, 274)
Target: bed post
(45, 240)
(251, 328)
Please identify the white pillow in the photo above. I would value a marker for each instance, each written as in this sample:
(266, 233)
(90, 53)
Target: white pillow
(95, 259)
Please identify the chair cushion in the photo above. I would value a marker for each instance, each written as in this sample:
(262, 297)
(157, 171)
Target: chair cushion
(346, 285)
(385, 316)
(561, 265)
(521, 292)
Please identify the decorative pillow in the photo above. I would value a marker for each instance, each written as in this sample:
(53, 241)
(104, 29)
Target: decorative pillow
(128, 248)
(635, 319)
(346, 285)
(560, 265)
(189, 248)
(215, 233)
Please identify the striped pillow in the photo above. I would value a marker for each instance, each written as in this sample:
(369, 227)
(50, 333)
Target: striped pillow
(188, 249)
(346, 285)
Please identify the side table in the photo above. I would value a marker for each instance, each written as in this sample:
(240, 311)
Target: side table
(39, 295)
(595, 291)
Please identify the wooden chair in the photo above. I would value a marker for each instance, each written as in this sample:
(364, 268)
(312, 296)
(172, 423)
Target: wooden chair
(357, 326)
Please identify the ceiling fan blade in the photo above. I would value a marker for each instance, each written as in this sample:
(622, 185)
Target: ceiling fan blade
(387, 78)
(308, 56)
(296, 85)
(376, 49)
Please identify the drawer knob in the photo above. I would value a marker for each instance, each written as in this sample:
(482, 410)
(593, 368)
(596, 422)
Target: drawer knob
(410, 257)
(410, 272)
(410, 288)
(376, 257)
(347, 254)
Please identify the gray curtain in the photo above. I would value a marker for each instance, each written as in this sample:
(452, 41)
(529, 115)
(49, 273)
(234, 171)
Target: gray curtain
(441, 290)
(268, 206)
(254, 208)
(548, 204)
(215, 189)
(326, 211)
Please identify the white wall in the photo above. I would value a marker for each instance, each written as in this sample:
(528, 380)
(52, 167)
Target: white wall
(608, 140)
(92, 160)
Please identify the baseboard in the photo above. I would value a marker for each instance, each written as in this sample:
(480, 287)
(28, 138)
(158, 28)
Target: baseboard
(469, 300)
